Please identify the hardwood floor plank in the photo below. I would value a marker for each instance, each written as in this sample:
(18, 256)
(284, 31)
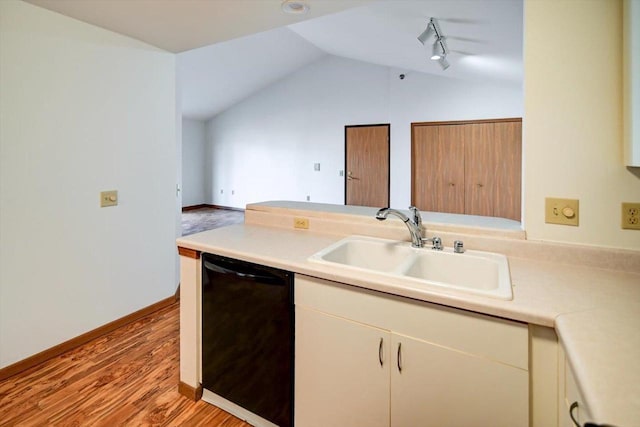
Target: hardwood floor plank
(126, 378)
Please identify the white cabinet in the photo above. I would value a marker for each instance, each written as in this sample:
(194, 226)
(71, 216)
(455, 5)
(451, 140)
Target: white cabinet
(438, 386)
(631, 77)
(341, 373)
(571, 401)
(365, 358)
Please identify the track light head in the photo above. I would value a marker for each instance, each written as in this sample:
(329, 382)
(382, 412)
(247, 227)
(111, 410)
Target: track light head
(443, 63)
(436, 51)
(426, 33)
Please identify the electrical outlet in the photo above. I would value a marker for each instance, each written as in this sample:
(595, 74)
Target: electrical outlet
(301, 223)
(631, 216)
(561, 211)
(108, 198)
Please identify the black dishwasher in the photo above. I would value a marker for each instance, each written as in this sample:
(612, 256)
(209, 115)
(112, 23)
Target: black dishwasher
(247, 336)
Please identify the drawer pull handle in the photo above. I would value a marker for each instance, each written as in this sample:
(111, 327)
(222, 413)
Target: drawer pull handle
(399, 357)
(380, 351)
(573, 406)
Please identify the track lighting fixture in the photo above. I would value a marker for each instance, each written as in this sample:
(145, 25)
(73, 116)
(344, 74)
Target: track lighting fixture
(437, 52)
(439, 49)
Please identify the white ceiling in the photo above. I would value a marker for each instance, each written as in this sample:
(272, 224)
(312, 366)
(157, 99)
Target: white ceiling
(249, 44)
(484, 36)
(215, 77)
(180, 25)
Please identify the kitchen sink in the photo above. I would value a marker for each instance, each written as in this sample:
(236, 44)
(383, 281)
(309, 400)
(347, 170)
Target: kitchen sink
(368, 254)
(477, 272)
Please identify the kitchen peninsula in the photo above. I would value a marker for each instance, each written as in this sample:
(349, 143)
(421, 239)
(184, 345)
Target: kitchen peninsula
(577, 306)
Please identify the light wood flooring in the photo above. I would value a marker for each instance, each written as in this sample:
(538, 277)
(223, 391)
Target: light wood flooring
(126, 378)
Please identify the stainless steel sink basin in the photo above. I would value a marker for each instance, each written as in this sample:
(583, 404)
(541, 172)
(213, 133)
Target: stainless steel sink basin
(477, 272)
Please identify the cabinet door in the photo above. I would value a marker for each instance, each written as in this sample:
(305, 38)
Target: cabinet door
(437, 386)
(569, 394)
(438, 168)
(342, 372)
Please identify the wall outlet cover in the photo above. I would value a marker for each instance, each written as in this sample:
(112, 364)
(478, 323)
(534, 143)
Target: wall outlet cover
(561, 211)
(302, 223)
(631, 216)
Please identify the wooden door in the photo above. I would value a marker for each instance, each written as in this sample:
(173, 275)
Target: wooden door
(480, 170)
(468, 167)
(437, 165)
(367, 165)
(508, 177)
(438, 386)
(342, 372)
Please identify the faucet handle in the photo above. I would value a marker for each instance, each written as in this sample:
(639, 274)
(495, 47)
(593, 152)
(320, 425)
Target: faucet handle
(417, 218)
(437, 243)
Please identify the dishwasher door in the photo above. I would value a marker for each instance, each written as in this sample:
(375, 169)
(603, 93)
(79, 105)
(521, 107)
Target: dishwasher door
(247, 336)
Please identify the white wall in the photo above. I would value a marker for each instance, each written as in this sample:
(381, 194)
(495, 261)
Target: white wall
(82, 110)
(264, 148)
(573, 121)
(193, 162)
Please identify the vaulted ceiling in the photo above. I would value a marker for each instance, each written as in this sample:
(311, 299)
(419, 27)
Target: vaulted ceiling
(228, 49)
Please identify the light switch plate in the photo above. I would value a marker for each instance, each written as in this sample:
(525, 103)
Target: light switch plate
(631, 216)
(108, 198)
(561, 211)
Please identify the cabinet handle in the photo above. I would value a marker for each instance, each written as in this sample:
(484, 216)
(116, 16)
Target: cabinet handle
(399, 357)
(480, 185)
(380, 351)
(451, 184)
(573, 406)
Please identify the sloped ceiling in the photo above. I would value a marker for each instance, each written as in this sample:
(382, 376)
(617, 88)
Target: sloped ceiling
(213, 78)
(484, 36)
(181, 25)
(228, 49)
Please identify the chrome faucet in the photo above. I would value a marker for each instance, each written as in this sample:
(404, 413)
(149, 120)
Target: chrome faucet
(414, 229)
(414, 225)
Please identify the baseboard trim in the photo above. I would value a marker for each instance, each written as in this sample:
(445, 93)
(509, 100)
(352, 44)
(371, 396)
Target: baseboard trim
(193, 207)
(227, 208)
(204, 205)
(189, 392)
(61, 348)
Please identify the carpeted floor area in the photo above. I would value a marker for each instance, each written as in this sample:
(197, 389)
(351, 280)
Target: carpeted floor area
(202, 219)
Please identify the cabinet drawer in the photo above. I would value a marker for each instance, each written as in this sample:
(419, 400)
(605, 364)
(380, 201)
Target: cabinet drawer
(497, 339)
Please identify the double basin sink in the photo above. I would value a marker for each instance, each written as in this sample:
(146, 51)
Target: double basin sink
(476, 272)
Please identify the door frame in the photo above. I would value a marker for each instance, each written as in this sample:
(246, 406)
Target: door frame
(388, 125)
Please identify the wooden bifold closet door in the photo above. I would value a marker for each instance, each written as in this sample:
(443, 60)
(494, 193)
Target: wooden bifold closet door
(468, 167)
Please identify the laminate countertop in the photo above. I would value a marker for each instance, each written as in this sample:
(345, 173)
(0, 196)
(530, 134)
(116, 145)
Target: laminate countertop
(595, 311)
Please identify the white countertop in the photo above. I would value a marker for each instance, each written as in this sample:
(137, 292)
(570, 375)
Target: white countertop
(596, 312)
